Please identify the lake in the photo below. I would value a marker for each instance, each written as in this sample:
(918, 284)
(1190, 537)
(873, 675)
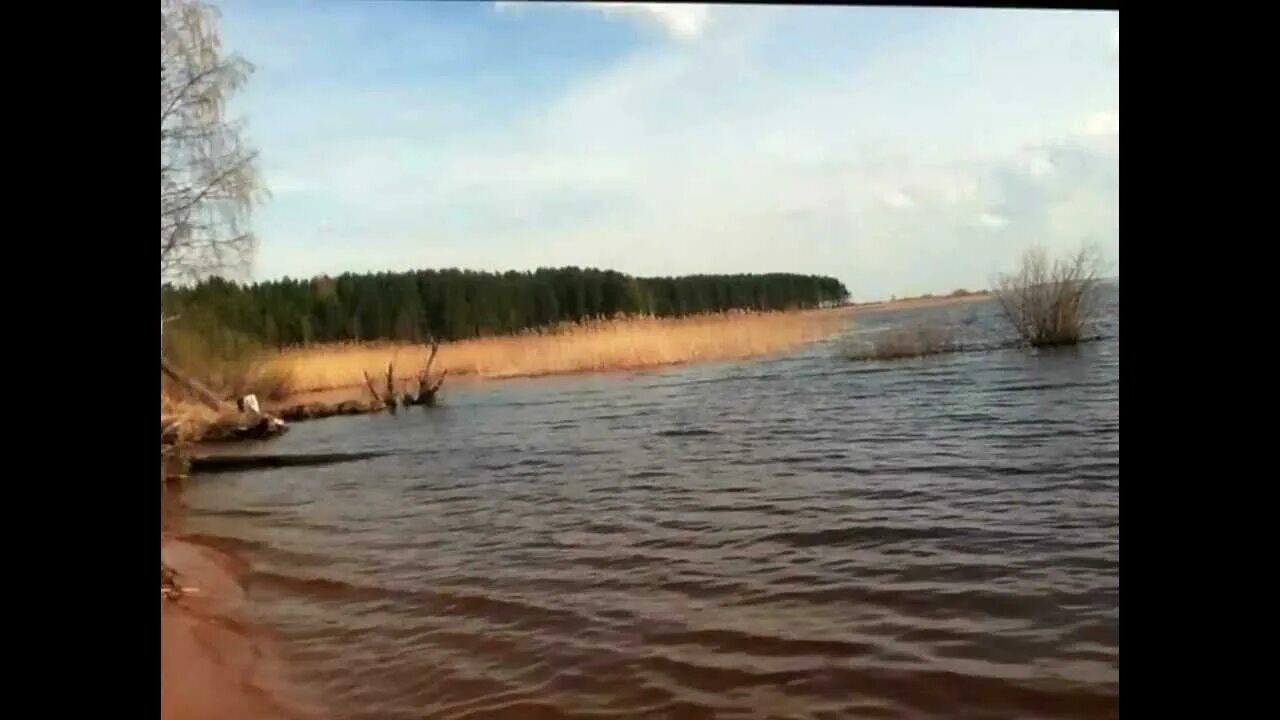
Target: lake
(794, 537)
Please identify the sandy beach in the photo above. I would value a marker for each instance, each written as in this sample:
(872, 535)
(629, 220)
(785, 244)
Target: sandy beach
(214, 665)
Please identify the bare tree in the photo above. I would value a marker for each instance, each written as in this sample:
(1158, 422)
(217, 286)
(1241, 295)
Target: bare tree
(208, 175)
(1047, 301)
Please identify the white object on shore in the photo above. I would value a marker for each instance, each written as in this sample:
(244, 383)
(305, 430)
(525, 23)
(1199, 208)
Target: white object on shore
(250, 403)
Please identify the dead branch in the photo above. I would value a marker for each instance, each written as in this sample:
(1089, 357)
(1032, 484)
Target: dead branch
(368, 381)
(440, 381)
(390, 398)
(426, 389)
(435, 348)
(199, 390)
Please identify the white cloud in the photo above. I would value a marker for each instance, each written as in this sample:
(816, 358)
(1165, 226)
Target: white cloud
(511, 6)
(897, 199)
(992, 220)
(1101, 124)
(1039, 165)
(683, 21)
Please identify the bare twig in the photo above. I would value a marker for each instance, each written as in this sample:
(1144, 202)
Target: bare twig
(368, 381)
(439, 382)
(390, 398)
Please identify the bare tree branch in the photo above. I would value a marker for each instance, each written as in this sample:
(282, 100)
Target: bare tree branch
(209, 182)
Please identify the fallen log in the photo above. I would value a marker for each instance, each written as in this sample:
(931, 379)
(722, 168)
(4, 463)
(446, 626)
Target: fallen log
(201, 392)
(235, 421)
(234, 463)
(316, 410)
(245, 427)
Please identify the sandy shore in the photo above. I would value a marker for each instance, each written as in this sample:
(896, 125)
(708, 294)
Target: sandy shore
(213, 665)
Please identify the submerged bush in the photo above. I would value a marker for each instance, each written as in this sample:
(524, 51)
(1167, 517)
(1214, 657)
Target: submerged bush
(924, 338)
(1047, 302)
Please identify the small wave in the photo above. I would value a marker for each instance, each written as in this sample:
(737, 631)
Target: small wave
(647, 474)
(907, 540)
(690, 432)
(762, 644)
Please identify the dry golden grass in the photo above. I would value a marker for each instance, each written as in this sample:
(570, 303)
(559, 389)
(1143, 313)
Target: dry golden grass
(184, 420)
(625, 344)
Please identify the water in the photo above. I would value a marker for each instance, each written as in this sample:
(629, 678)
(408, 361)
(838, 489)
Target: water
(801, 537)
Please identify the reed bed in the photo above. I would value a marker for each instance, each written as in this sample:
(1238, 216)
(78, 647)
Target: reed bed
(601, 345)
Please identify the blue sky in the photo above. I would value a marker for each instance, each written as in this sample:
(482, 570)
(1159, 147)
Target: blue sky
(902, 150)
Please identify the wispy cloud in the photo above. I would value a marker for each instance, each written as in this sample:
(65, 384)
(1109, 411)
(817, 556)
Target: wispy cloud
(992, 220)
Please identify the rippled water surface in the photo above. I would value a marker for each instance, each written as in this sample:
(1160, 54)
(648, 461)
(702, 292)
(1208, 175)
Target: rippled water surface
(796, 537)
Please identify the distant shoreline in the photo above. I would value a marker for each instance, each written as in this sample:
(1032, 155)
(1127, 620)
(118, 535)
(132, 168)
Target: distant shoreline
(922, 301)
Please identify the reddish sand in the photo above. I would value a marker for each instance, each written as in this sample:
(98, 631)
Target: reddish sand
(212, 664)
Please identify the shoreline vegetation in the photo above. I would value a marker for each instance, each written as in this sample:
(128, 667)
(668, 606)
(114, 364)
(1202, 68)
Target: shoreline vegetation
(1045, 302)
(325, 380)
(280, 339)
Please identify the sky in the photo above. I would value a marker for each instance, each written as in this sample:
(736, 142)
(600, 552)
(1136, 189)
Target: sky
(901, 150)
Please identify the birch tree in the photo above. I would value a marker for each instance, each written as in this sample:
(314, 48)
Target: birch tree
(208, 175)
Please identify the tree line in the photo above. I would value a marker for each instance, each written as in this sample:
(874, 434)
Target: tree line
(458, 304)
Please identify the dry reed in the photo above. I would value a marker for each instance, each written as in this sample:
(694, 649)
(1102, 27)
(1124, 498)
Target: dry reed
(622, 344)
(919, 340)
(183, 420)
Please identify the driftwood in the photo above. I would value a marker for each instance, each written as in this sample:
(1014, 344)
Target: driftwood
(234, 463)
(169, 587)
(174, 463)
(426, 389)
(368, 382)
(232, 424)
(390, 399)
(315, 410)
